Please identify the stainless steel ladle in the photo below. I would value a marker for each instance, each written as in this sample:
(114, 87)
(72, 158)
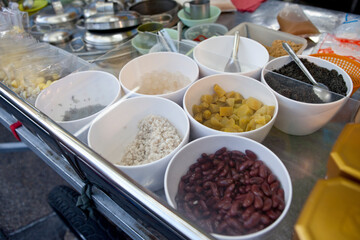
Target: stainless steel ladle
(321, 90)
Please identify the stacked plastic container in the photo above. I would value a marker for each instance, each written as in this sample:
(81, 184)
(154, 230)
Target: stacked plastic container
(332, 210)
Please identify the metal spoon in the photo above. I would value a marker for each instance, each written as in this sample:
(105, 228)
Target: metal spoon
(179, 37)
(321, 90)
(166, 41)
(233, 64)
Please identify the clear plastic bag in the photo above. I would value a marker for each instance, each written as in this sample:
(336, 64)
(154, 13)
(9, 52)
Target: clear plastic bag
(344, 40)
(292, 19)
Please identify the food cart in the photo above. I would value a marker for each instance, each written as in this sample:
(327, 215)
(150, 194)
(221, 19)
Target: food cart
(143, 214)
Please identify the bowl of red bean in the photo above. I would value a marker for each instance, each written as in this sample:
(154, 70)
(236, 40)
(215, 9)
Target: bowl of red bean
(301, 111)
(230, 186)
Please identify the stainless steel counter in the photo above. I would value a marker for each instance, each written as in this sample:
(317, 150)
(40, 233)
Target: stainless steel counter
(133, 208)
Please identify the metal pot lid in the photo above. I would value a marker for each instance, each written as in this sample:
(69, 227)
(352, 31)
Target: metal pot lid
(56, 37)
(108, 7)
(108, 38)
(56, 18)
(48, 15)
(120, 20)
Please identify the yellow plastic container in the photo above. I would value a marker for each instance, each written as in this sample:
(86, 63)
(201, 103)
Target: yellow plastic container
(331, 212)
(344, 159)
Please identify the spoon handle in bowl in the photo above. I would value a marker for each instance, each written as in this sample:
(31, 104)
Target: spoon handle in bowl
(299, 63)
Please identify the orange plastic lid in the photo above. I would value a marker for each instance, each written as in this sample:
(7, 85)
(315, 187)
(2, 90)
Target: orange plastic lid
(331, 212)
(344, 159)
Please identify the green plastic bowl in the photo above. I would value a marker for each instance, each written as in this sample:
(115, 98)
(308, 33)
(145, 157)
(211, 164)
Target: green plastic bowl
(142, 43)
(214, 15)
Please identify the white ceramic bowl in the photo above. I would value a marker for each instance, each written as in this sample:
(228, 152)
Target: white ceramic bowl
(246, 86)
(188, 155)
(214, 15)
(76, 91)
(132, 73)
(213, 53)
(300, 118)
(112, 132)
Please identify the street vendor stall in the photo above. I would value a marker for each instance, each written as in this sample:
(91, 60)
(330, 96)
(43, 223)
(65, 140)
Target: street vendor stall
(142, 212)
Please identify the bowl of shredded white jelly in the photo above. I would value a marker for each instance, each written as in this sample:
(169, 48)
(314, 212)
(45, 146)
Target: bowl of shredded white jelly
(163, 74)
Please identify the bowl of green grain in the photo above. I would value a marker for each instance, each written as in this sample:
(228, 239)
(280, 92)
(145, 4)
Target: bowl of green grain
(139, 136)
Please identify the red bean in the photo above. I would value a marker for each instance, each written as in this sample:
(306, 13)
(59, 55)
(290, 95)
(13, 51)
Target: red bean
(256, 180)
(202, 205)
(220, 151)
(203, 159)
(208, 177)
(207, 172)
(245, 165)
(236, 177)
(272, 214)
(248, 188)
(251, 154)
(271, 178)
(198, 189)
(230, 189)
(247, 213)
(225, 171)
(224, 204)
(275, 201)
(211, 201)
(249, 199)
(254, 172)
(237, 153)
(234, 208)
(206, 166)
(240, 197)
(220, 166)
(263, 172)
(258, 202)
(233, 222)
(281, 193)
(221, 227)
(253, 220)
(265, 219)
(266, 189)
(256, 190)
(258, 163)
(281, 206)
(224, 182)
(213, 187)
(274, 186)
(189, 196)
(267, 204)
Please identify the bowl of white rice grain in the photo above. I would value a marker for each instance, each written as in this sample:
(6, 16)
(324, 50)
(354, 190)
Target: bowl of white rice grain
(140, 135)
(162, 74)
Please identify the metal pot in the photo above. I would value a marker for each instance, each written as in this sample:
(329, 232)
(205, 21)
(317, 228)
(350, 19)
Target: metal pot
(154, 7)
(163, 11)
